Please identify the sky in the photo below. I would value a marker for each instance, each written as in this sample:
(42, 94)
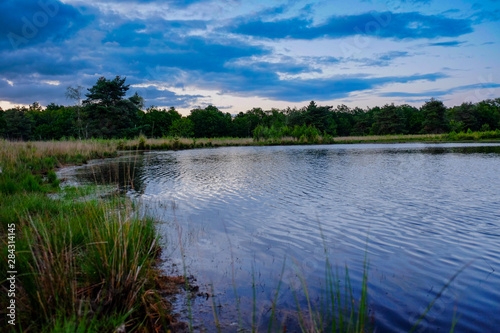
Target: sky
(238, 55)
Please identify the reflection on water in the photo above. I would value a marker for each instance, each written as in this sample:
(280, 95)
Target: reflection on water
(420, 211)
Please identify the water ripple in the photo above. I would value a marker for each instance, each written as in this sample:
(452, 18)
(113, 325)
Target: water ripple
(420, 212)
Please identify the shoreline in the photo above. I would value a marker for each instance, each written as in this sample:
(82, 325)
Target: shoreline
(175, 143)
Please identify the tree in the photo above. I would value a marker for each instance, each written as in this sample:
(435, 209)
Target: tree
(389, 120)
(488, 113)
(363, 121)
(18, 124)
(321, 118)
(344, 118)
(3, 124)
(182, 127)
(137, 100)
(413, 118)
(434, 113)
(55, 122)
(156, 123)
(107, 92)
(210, 122)
(463, 117)
(241, 126)
(109, 114)
(75, 94)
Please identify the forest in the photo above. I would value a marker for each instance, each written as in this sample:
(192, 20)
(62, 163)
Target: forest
(107, 113)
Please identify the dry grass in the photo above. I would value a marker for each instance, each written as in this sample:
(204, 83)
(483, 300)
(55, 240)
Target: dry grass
(405, 137)
(64, 151)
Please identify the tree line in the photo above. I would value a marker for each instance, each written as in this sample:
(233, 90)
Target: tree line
(107, 113)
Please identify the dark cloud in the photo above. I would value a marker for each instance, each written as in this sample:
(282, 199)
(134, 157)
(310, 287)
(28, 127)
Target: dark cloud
(251, 82)
(379, 24)
(490, 15)
(173, 3)
(26, 23)
(447, 44)
(191, 54)
(29, 92)
(164, 98)
(45, 62)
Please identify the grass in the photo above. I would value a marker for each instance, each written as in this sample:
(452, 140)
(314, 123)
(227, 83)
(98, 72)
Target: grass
(82, 266)
(175, 143)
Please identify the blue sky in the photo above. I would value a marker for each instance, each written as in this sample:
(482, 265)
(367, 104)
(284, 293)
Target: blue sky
(241, 54)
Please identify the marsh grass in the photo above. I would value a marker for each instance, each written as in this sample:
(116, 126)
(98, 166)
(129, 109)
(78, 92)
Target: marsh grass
(176, 143)
(83, 265)
(339, 309)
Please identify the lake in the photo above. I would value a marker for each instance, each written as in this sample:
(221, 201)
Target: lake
(235, 216)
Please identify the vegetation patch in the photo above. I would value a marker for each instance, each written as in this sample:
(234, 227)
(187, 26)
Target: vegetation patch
(83, 265)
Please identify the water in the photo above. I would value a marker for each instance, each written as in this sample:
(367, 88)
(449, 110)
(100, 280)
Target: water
(420, 213)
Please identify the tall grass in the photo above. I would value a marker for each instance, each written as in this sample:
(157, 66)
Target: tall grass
(82, 265)
(339, 310)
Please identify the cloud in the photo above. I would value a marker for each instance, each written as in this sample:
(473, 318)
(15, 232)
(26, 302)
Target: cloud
(378, 24)
(381, 60)
(27, 23)
(171, 3)
(37, 91)
(42, 62)
(190, 54)
(489, 15)
(447, 44)
(437, 93)
(251, 82)
(164, 97)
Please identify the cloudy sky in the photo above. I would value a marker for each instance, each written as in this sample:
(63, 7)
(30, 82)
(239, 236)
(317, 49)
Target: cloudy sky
(239, 54)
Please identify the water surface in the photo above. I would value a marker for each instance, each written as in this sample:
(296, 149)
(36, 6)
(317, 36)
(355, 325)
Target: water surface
(420, 213)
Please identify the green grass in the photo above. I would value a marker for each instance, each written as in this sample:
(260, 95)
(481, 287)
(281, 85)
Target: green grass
(83, 265)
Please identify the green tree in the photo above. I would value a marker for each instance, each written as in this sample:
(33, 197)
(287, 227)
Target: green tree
(241, 126)
(321, 118)
(108, 113)
(434, 114)
(3, 124)
(55, 122)
(210, 122)
(295, 117)
(156, 122)
(362, 121)
(413, 118)
(182, 127)
(18, 124)
(488, 113)
(107, 92)
(463, 117)
(345, 119)
(389, 120)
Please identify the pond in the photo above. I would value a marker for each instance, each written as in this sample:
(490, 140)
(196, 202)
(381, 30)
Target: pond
(242, 219)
